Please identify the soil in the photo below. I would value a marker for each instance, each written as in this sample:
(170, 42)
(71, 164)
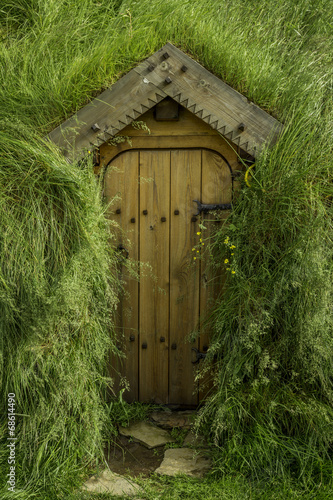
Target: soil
(127, 457)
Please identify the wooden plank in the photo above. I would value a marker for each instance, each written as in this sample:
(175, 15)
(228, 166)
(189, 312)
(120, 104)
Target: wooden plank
(216, 188)
(184, 275)
(215, 143)
(121, 181)
(112, 110)
(211, 99)
(188, 124)
(154, 285)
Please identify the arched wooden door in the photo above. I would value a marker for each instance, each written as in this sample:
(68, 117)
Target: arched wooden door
(154, 192)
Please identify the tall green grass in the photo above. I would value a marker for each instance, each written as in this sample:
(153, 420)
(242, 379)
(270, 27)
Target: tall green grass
(271, 410)
(58, 290)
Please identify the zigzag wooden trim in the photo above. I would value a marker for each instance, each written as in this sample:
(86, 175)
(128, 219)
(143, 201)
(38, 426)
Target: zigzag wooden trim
(222, 129)
(194, 106)
(210, 118)
(153, 103)
(148, 103)
(177, 97)
(137, 113)
(229, 135)
(159, 97)
(207, 119)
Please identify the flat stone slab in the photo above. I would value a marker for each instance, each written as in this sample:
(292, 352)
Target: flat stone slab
(147, 434)
(169, 420)
(184, 461)
(109, 482)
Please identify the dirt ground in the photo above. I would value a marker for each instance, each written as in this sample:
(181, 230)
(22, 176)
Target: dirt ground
(125, 456)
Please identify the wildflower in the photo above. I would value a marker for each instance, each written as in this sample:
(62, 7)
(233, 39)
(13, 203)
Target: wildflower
(194, 258)
(226, 261)
(233, 272)
(89, 152)
(200, 240)
(202, 243)
(232, 254)
(226, 241)
(193, 249)
(198, 233)
(197, 251)
(232, 247)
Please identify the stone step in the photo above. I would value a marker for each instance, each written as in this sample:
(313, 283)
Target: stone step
(147, 434)
(184, 461)
(109, 482)
(169, 420)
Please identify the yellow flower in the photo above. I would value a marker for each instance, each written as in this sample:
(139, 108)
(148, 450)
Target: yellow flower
(194, 258)
(226, 261)
(200, 239)
(198, 233)
(233, 272)
(232, 254)
(197, 251)
(202, 243)
(232, 247)
(193, 249)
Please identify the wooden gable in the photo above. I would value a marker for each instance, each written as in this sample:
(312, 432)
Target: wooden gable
(169, 72)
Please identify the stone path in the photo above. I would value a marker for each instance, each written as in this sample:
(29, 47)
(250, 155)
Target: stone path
(140, 450)
(184, 461)
(148, 434)
(109, 482)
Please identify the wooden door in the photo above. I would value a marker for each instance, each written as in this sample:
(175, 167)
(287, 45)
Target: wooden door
(158, 314)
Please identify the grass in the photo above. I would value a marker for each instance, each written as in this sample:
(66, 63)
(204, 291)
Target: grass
(271, 413)
(230, 487)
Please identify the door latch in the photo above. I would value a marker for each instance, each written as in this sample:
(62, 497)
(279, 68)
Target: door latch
(121, 248)
(199, 355)
(204, 207)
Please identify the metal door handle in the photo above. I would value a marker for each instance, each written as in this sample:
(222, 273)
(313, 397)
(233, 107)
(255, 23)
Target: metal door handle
(199, 355)
(120, 248)
(204, 207)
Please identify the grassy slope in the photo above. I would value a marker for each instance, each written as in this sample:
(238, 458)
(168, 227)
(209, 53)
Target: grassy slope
(272, 329)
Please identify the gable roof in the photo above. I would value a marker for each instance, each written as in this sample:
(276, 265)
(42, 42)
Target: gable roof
(168, 72)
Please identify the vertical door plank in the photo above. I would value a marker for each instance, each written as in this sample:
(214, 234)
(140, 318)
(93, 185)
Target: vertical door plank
(121, 181)
(154, 285)
(216, 188)
(184, 275)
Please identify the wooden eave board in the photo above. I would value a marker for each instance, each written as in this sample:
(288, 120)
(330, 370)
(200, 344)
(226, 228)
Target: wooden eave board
(212, 100)
(202, 93)
(113, 110)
